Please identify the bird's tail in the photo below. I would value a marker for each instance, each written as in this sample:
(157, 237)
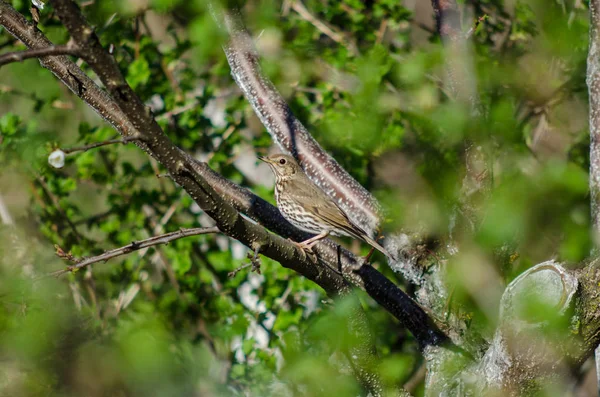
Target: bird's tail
(378, 247)
(357, 232)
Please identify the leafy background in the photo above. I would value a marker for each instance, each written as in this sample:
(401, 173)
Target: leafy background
(169, 320)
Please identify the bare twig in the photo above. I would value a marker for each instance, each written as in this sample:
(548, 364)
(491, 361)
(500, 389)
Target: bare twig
(20, 56)
(254, 263)
(224, 138)
(593, 83)
(327, 30)
(416, 378)
(475, 26)
(97, 144)
(94, 218)
(157, 228)
(134, 246)
(58, 207)
(381, 31)
(233, 273)
(178, 110)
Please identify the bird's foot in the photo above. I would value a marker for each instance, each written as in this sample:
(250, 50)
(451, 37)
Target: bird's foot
(305, 249)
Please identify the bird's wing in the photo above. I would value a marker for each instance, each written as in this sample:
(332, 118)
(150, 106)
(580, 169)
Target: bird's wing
(318, 202)
(340, 220)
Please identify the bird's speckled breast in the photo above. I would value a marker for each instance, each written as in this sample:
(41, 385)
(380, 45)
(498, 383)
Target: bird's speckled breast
(297, 215)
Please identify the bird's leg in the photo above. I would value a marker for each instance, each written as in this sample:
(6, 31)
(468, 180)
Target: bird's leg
(307, 245)
(367, 258)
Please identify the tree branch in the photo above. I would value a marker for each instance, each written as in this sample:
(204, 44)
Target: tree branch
(132, 119)
(294, 138)
(288, 131)
(20, 56)
(96, 145)
(206, 188)
(447, 19)
(459, 68)
(65, 70)
(327, 30)
(134, 246)
(593, 83)
(176, 161)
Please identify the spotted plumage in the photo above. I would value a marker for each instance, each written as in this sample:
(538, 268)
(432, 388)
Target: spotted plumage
(307, 207)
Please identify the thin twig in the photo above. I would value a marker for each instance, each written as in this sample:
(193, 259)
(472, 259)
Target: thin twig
(98, 144)
(134, 246)
(323, 27)
(178, 110)
(157, 228)
(416, 378)
(381, 31)
(20, 56)
(94, 218)
(254, 262)
(475, 26)
(60, 210)
(239, 269)
(224, 137)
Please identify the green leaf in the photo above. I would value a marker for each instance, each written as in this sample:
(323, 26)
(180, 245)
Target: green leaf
(138, 73)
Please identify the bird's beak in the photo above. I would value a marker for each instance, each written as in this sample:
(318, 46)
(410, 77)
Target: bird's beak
(265, 159)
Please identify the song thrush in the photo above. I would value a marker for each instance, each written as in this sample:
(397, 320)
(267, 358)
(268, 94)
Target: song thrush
(308, 208)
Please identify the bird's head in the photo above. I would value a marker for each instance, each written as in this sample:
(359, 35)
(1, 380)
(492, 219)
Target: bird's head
(283, 166)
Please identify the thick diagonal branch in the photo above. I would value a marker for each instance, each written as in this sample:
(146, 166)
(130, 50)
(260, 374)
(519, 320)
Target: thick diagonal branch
(191, 175)
(288, 131)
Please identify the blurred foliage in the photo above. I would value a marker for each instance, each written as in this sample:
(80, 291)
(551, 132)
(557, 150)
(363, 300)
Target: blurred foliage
(169, 320)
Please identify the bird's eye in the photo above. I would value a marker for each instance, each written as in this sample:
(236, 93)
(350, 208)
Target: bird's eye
(282, 161)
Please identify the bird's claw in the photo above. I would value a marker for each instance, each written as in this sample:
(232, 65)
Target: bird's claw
(305, 249)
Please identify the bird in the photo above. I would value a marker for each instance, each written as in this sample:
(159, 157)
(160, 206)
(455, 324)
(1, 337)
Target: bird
(306, 206)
